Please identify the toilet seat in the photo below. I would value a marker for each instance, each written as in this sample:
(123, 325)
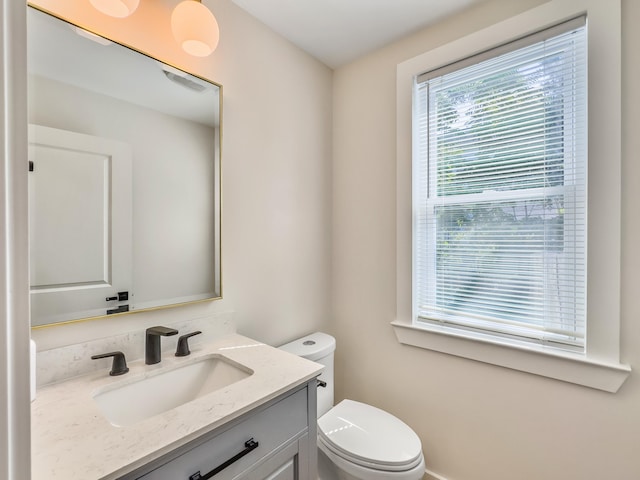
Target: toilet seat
(370, 437)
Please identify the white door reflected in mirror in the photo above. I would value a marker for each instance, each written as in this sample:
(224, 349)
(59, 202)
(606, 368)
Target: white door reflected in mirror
(80, 223)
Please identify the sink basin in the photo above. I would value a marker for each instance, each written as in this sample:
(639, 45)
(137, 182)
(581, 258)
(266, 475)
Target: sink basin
(127, 403)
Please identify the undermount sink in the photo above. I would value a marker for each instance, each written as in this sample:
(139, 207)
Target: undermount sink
(127, 403)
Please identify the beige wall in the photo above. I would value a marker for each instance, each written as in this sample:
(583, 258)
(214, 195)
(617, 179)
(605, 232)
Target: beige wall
(476, 421)
(276, 172)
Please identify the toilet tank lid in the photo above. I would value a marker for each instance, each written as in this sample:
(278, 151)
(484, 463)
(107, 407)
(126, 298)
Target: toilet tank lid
(312, 347)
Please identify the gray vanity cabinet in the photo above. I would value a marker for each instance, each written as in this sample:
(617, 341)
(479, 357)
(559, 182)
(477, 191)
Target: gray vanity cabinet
(276, 441)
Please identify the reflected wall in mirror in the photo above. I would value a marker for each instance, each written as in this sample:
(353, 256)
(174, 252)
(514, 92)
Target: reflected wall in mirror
(124, 181)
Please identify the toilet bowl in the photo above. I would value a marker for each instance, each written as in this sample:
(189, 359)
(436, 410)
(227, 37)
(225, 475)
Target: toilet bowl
(357, 441)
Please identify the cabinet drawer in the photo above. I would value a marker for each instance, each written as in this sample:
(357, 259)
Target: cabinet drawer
(270, 428)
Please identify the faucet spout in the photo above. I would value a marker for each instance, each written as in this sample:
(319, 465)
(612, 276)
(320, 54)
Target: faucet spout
(152, 352)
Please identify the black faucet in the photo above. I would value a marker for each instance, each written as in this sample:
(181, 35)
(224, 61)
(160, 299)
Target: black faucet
(152, 343)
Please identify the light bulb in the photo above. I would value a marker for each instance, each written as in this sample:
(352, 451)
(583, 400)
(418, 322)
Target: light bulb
(116, 8)
(195, 28)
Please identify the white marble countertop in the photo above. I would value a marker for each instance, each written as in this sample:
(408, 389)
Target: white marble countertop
(71, 439)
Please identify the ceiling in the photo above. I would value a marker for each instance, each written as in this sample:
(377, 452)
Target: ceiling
(339, 31)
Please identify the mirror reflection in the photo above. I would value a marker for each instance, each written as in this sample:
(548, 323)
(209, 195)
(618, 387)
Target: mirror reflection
(124, 182)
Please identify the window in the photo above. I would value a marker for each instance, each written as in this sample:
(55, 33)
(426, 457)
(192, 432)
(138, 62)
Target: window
(500, 200)
(493, 131)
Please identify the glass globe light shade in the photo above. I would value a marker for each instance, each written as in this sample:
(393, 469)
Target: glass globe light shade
(195, 28)
(116, 8)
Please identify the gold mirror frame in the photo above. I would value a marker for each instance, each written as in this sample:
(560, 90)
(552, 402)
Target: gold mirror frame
(217, 193)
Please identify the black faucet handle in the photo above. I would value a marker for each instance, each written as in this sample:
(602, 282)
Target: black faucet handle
(119, 366)
(163, 331)
(183, 344)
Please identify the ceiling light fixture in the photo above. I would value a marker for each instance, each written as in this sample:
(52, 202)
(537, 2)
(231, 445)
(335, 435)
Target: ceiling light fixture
(116, 8)
(195, 28)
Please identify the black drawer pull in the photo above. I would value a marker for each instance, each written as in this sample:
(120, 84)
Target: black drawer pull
(249, 445)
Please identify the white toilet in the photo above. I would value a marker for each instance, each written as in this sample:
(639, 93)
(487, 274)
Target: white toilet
(357, 441)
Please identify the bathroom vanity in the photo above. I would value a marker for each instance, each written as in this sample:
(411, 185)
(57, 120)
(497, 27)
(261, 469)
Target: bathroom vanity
(257, 424)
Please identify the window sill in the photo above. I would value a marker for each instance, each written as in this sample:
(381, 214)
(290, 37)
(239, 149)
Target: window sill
(567, 367)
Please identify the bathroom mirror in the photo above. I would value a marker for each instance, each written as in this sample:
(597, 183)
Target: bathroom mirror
(124, 181)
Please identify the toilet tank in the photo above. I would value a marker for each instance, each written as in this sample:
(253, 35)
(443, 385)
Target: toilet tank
(318, 347)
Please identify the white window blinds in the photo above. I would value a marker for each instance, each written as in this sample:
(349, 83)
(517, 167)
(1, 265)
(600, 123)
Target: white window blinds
(500, 191)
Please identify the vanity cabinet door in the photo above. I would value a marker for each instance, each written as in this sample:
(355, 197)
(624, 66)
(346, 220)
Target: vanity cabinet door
(285, 472)
(286, 464)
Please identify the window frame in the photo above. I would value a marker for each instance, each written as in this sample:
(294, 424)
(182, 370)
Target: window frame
(428, 198)
(599, 366)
